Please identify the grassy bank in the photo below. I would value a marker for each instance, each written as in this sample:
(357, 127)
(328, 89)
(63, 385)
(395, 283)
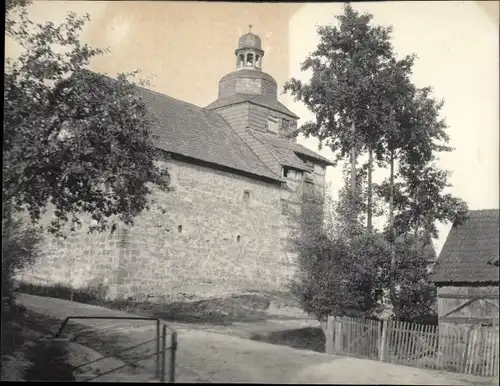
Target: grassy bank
(221, 310)
(24, 356)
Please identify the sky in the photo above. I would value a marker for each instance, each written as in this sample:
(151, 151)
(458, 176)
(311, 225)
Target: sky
(185, 48)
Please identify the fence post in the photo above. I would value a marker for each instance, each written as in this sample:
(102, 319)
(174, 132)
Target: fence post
(172, 356)
(381, 351)
(338, 336)
(465, 356)
(164, 355)
(158, 349)
(329, 335)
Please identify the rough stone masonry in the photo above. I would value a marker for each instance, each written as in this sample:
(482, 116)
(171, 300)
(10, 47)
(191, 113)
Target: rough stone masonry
(236, 169)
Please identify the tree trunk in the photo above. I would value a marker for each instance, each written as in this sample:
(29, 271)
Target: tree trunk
(353, 162)
(392, 237)
(369, 212)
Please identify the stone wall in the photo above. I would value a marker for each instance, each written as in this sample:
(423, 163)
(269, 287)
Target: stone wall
(217, 230)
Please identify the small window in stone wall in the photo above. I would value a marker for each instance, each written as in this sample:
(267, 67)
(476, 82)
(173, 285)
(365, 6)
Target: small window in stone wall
(179, 229)
(238, 238)
(285, 172)
(246, 196)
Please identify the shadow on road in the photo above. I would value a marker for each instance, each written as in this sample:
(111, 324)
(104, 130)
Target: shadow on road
(308, 338)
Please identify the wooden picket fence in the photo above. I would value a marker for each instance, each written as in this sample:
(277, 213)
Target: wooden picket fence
(466, 350)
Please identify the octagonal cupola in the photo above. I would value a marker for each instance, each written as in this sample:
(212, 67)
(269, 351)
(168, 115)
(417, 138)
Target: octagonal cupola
(249, 52)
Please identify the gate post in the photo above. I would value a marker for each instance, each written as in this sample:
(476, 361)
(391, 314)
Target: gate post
(329, 335)
(381, 351)
(164, 355)
(172, 357)
(339, 339)
(158, 349)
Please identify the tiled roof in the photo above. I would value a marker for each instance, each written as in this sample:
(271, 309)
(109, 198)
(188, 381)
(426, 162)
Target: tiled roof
(289, 158)
(290, 148)
(470, 251)
(255, 99)
(192, 131)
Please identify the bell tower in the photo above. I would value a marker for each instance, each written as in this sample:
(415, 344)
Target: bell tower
(248, 96)
(249, 53)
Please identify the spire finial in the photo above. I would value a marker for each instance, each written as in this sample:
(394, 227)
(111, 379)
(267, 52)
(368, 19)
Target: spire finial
(250, 27)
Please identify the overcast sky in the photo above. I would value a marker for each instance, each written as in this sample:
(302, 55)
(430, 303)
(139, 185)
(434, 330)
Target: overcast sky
(184, 48)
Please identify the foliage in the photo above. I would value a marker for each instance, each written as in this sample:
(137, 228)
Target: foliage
(362, 97)
(343, 269)
(72, 138)
(350, 80)
(339, 267)
(419, 200)
(20, 249)
(416, 295)
(89, 294)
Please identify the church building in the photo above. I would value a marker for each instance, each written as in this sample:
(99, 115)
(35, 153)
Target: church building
(236, 170)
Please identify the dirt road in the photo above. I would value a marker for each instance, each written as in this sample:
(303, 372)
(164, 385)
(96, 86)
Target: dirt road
(211, 357)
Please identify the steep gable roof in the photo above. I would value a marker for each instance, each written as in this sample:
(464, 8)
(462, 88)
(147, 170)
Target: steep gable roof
(191, 131)
(290, 149)
(186, 129)
(470, 251)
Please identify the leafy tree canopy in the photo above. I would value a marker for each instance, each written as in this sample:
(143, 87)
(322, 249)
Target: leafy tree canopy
(72, 138)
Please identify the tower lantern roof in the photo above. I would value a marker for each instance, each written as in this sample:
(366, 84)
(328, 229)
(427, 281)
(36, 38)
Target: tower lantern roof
(249, 40)
(249, 52)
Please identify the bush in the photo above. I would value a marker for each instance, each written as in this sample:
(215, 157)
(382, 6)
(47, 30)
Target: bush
(49, 363)
(89, 294)
(20, 249)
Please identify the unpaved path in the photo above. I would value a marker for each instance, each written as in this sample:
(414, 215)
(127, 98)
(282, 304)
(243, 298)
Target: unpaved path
(210, 357)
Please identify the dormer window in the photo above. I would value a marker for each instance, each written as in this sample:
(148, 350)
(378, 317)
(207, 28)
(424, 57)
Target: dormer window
(273, 124)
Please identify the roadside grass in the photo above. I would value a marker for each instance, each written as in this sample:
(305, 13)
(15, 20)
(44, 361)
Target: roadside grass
(222, 310)
(24, 356)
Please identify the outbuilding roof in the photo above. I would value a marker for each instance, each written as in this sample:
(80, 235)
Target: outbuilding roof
(470, 253)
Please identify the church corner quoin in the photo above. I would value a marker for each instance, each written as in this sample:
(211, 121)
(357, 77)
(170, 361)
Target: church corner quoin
(236, 170)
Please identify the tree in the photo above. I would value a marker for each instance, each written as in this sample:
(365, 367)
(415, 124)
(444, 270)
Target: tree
(416, 295)
(339, 264)
(363, 100)
(74, 139)
(347, 89)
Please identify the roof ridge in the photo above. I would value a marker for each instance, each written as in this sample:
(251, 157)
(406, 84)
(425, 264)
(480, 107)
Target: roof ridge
(151, 90)
(172, 98)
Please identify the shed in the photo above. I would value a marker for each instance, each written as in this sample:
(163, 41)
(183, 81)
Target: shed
(466, 273)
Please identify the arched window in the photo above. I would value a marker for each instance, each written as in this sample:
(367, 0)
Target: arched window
(257, 60)
(241, 60)
(249, 60)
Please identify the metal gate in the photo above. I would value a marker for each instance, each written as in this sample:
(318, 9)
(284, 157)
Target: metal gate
(163, 345)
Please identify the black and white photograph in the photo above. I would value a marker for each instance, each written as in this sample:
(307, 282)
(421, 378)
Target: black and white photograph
(251, 192)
